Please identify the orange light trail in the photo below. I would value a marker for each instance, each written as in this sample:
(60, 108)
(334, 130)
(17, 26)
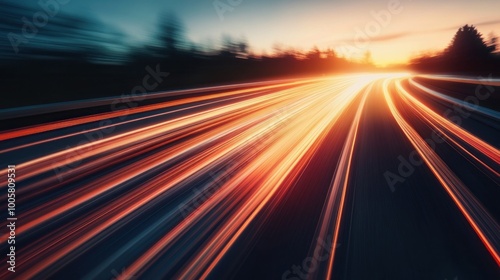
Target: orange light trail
(189, 179)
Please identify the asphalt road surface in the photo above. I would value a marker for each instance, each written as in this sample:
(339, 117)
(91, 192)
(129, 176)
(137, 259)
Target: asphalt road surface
(368, 176)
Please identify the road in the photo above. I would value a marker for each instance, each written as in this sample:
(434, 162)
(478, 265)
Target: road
(366, 176)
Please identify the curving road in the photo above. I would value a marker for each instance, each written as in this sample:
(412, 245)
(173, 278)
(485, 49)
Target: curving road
(369, 176)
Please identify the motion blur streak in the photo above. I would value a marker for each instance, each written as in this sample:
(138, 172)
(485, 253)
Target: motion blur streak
(181, 188)
(332, 214)
(452, 128)
(480, 220)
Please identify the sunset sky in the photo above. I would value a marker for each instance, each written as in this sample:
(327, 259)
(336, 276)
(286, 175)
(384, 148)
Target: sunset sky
(418, 26)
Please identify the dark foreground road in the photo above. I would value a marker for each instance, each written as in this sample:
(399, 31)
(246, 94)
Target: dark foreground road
(376, 176)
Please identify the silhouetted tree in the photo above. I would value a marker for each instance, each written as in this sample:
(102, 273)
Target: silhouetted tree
(468, 42)
(330, 54)
(314, 54)
(467, 53)
(234, 48)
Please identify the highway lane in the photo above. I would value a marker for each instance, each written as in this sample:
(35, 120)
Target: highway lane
(402, 234)
(385, 176)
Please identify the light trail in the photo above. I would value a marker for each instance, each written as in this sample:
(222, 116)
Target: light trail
(173, 188)
(450, 129)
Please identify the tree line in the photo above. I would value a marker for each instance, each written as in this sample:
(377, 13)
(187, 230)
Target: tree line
(48, 56)
(70, 57)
